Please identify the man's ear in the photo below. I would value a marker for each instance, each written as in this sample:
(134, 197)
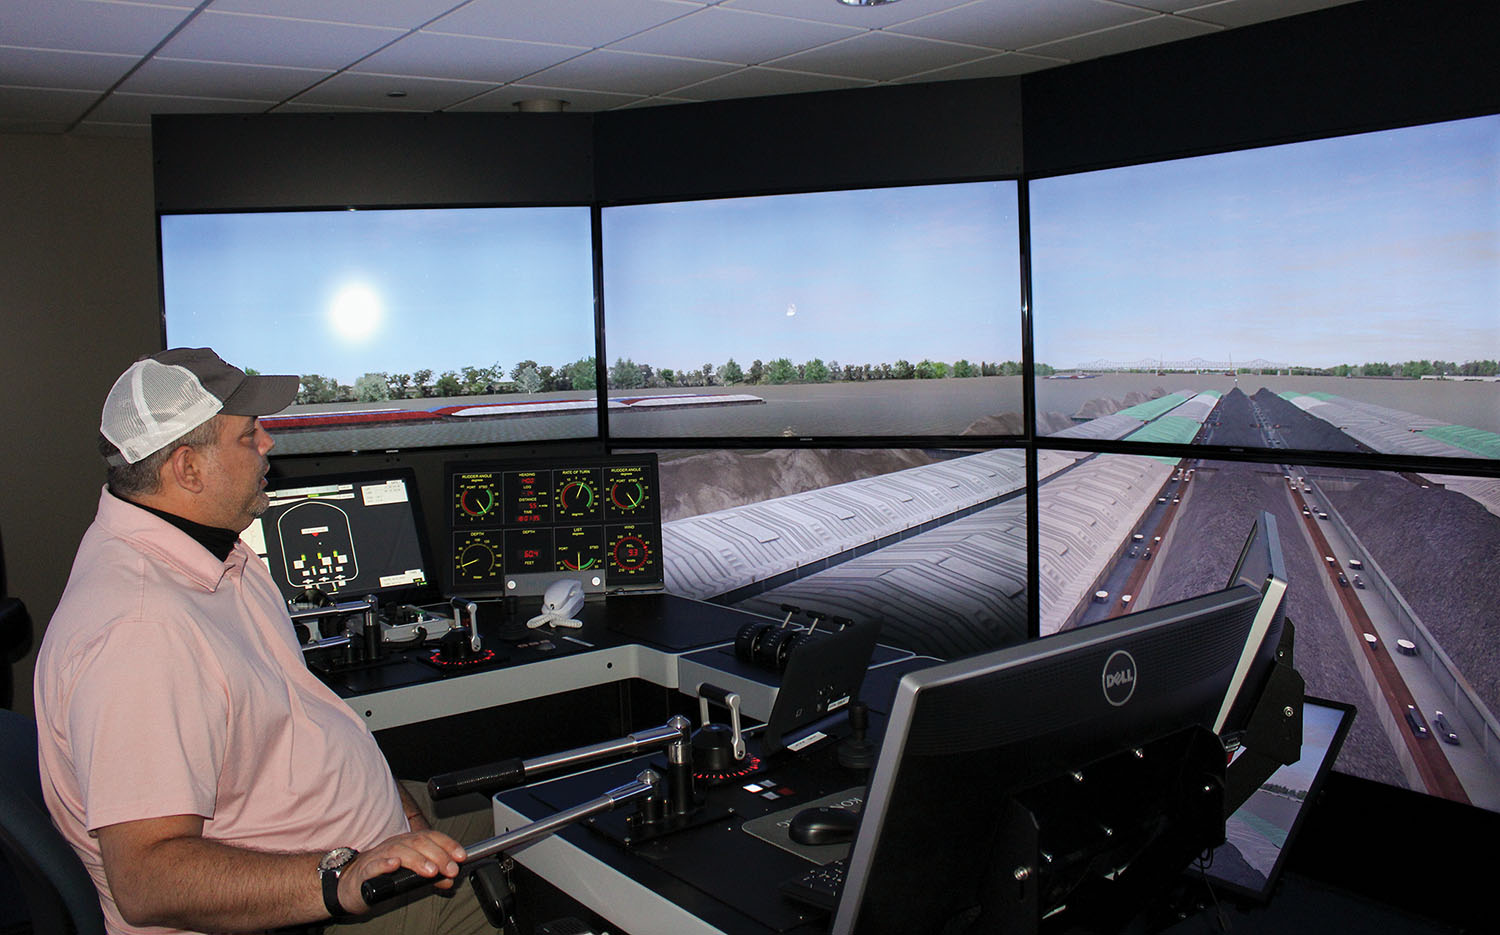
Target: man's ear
(184, 469)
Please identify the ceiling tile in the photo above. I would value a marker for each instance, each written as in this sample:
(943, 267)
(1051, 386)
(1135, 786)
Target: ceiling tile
(881, 56)
(1137, 35)
(568, 22)
(1167, 6)
(465, 58)
(504, 99)
(138, 108)
(141, 131)
(628, 73)
(731, 36)
(32, 109)
(87, 26)
(1246, 12)
(1019, 24)
(293, 107)
(1004, 65)
(214, 79)
(401, 14)
(859, 17)
(81, 71)
(759, 81)
(270, 40)
(364, 90)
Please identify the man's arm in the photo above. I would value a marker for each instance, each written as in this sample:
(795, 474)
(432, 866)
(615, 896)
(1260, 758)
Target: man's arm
(162, 871)
(414, 816)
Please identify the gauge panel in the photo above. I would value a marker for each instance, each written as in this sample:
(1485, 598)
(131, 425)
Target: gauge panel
(520, 525)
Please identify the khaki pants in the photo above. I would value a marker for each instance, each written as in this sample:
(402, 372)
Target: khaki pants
(429, 912)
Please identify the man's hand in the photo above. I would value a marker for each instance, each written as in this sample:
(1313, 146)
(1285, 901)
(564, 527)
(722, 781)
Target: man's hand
(429, 853)
(162, 871)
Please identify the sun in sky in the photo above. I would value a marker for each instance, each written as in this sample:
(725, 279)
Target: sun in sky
(355, 311)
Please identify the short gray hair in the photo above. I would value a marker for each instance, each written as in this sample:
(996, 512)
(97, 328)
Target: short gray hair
(144, 476)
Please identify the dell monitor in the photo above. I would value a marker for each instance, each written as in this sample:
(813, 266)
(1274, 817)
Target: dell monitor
(1061, 782)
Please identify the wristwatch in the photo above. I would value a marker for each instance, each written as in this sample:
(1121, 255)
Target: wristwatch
(330, 868)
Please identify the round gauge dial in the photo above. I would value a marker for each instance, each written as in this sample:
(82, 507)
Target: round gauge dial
(476, 498)
(577, 495)
(630, 553)
(476, 559)
(580, 548)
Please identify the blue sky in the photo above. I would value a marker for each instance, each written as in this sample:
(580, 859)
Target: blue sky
(1376, 247)
(856, 277)
(343, 293)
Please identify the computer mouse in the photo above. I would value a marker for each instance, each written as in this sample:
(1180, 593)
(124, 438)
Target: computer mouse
(823, 825)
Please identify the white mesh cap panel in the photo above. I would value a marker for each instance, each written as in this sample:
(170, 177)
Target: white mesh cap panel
(152, 405)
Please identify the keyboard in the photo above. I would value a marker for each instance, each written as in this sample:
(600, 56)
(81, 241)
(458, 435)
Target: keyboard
(818, 887)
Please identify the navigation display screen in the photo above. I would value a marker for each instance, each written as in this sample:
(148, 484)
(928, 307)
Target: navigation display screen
(518, 526)
(342, 535)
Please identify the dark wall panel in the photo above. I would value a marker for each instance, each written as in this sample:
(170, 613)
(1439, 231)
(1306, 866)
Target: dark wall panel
(837, 139)
(314, 160)
(1363, 66)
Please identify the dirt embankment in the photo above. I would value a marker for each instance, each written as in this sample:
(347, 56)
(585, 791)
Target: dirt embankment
(704, 481)
(1442, 551)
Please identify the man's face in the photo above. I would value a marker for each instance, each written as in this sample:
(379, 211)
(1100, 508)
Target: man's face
(235, 473)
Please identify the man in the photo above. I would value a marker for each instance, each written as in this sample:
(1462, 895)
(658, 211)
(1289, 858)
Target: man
(207, 779)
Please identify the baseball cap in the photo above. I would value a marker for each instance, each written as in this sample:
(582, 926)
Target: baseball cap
(163, 396)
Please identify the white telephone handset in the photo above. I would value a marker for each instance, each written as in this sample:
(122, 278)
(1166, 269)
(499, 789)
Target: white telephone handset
(561, 600)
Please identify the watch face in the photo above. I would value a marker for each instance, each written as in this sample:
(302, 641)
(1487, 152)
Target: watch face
(337, 858)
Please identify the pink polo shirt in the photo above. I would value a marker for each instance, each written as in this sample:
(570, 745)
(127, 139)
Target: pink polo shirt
(170, 683)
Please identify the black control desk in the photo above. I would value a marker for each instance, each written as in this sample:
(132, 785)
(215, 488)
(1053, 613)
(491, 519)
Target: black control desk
(723, 874)
(669, 643)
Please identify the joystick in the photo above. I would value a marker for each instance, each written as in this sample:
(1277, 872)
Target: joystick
(455, 647)
(857, 751)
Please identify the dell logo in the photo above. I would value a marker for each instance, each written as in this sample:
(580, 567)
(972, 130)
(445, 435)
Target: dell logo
(1119, 677)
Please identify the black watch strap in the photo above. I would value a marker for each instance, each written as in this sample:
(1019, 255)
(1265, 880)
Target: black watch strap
(330, 868)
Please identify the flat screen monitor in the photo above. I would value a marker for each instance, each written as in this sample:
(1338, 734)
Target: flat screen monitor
(879, 313)
(409, 327)
(518, 526)
(1049, 780)
(1259, 835)
(1332, 296)
(345, 536)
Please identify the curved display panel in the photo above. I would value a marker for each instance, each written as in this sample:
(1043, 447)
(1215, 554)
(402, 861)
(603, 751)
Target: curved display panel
(1332, 296)
(891, 312)
(409, 328)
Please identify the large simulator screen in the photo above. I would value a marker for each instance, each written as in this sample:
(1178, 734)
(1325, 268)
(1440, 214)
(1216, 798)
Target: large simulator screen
(518, 526)
(1336, 295)
(344, 536)
(1390, 587)
(409, 328)
(876, 312)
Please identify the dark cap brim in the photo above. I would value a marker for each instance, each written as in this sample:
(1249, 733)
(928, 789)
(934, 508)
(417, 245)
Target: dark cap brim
(259, 395)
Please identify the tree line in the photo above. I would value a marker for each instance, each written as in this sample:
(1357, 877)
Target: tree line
(626, 374)
(525, 377)
(1410, 370)
(530, 377)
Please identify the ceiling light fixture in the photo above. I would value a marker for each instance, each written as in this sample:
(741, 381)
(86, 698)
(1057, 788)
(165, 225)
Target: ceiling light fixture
(866, 2)
(541, 105)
